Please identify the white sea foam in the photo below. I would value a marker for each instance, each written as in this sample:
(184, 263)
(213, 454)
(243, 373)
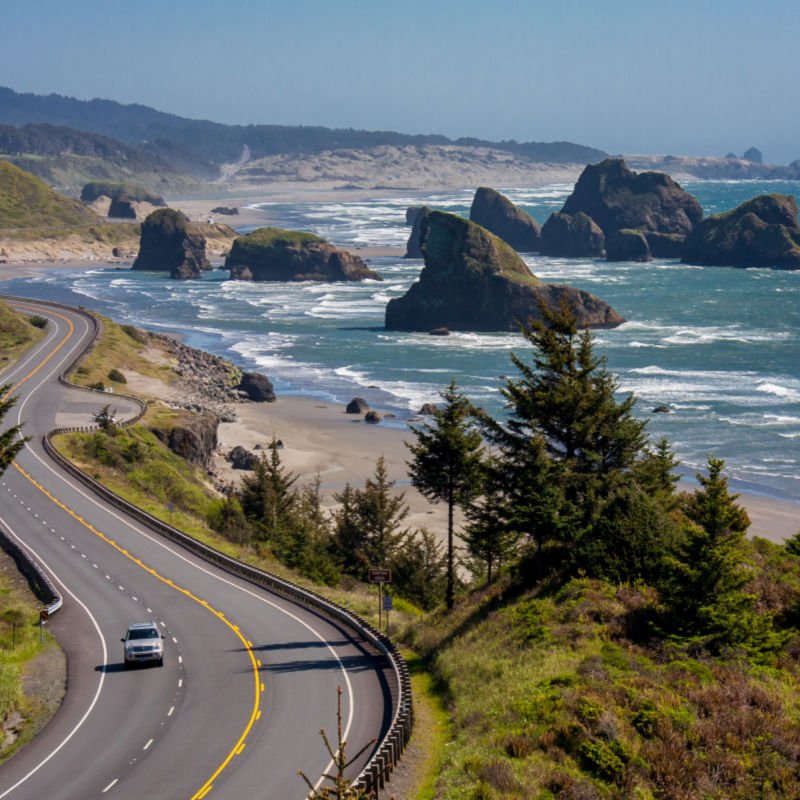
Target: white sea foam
(778, 390)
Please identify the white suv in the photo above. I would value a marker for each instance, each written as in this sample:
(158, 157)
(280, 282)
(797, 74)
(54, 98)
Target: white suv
(143, 643)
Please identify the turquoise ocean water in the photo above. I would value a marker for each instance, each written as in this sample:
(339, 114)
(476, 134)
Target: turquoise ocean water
(720, 347)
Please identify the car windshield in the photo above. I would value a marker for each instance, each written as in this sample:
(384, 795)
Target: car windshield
(143, 633)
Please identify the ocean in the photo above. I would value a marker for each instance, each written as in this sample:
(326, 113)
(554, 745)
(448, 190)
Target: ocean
(720, 347)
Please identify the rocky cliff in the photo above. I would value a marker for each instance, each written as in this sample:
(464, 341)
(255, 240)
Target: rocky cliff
(169, 242)
(763, 232)
(416, 215)
(194, 437)
(572, 236)
(500, 216)
(274, 254)
(472, 280)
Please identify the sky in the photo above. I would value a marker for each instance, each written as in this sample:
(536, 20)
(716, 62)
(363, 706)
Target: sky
(681, 77)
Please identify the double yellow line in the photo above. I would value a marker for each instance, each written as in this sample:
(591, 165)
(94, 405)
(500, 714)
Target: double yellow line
(255, 714)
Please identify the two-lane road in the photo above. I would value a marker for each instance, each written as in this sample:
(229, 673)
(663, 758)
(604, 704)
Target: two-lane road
(249, 678)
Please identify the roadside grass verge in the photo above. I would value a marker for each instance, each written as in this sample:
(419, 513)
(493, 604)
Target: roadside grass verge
(17, 332)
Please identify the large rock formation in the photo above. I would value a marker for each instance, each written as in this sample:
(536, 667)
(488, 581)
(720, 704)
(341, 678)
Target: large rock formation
(572, 236)
(257, 387)
(502, 218)
(169, 242)
(417, 215)
(753, 154)
(472, 280)
(274, 254)
(615, 197)
(763, 232)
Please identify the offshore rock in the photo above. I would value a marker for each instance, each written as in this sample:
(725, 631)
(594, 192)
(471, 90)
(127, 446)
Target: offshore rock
(169, 242)
(572, 236)
(627, 245)
(412, 212)
(615, 197)
(413, 249)
(358, 405)
(500, 216)
(753, 154)
(274, 254)
(763, 232)
(664, 245)
(474, 281)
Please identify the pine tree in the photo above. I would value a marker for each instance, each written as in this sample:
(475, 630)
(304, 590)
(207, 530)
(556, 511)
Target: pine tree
(489, 537)
(447, 464)
(709, 570)
(11, 439)
(419, 570)
(267, 498)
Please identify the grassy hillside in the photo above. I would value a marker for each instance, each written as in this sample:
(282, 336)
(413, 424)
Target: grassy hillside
(17, 331)
(28, 202)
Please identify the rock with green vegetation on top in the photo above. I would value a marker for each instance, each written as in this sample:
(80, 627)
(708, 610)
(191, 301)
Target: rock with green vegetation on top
(170, 243)
(275, 254)
(627, 245)
(763, 232)
(413, 249)
(500, 216)
(474, 281)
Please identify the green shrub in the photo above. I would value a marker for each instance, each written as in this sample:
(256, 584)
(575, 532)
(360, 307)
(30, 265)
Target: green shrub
(37, 321)
(607, 760)
(116, 376)
(134, 333)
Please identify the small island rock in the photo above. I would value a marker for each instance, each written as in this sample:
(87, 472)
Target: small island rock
(274, 254)
(257, 387)
(474, 281)
(169, 242)
(762, 232)
(500, 216)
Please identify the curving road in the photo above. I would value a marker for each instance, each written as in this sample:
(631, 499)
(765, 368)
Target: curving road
(249, 678)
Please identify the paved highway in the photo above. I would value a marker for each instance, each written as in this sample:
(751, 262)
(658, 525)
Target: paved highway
(249, 678)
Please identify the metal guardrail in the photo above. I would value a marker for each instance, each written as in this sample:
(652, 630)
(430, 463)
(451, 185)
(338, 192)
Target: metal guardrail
(378, 770)
(42, 586)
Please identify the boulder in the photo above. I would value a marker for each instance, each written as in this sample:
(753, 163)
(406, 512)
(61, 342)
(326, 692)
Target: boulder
(662, 410)
(615, 197)
(439, 332)
(122, 208)
(241, 458)
(257, 387)
(170, 243)
(572, 236)
(502, 218)
(413, 249)
(372, 417)
(474, 281)
(274, 254)
(358, 405)
(427, 409)
(194, 438)
(627, 245)
(225, 211)
(753, 154)
(762, 232)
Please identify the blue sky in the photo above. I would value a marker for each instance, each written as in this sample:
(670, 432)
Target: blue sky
(673, 76)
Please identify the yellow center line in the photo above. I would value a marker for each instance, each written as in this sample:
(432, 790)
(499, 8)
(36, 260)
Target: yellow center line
(258, 686)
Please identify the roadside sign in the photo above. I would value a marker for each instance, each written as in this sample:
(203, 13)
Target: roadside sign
(380, 575)
(44, 615)
(387, 602)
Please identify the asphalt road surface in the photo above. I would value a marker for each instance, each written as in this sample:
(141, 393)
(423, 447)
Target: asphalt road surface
(249, 678)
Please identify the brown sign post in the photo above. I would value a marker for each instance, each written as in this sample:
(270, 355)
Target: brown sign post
(380, 575)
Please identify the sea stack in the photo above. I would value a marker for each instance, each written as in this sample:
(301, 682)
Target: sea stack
(170, 243)
(275, 254)
(500, 216)
(474, 281)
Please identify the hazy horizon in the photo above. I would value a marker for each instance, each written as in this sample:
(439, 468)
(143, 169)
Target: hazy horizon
(690, 79)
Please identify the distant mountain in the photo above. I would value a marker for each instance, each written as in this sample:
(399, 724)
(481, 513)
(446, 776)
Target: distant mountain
(69, 158)
(198, 142)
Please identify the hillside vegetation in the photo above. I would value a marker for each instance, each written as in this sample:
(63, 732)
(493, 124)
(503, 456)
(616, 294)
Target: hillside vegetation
(17, 332)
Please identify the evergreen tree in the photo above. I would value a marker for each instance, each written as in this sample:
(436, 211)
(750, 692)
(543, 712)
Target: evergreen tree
(226, 517)
(11, 439)
(267, 498)
(705, 588)
(655, 474)
(367, 526)
(489, 537)
(419, 570)
(447, 464)
(308, 543)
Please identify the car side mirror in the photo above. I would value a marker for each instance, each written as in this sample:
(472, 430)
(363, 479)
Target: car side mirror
(122, 639)
(162, 635)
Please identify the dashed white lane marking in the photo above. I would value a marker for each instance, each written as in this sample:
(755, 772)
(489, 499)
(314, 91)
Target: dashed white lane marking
(147, 746)
(180, 680)
(110, 785)
(174, 640)
(171, 711)
(180, 659)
